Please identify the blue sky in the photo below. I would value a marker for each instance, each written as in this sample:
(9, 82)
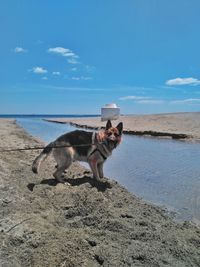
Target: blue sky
(72, 57)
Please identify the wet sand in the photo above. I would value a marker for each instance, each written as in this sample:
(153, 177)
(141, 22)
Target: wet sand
(173, 125)
(82, 223)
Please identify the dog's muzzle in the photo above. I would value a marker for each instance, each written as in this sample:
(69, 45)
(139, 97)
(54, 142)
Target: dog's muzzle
(112, 143)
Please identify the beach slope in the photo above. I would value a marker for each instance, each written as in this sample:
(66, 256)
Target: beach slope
(82, 223)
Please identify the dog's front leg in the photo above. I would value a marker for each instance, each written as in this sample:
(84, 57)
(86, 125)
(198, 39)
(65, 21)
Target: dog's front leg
(93, 166)
(100, 169)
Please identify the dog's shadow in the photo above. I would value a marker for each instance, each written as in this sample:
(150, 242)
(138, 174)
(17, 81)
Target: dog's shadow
(100, 185)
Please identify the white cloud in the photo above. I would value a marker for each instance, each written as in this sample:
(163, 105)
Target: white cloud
(190, 101)
(183, 81)
(133, 97)
(81, 78)
(65, 52)
(86, 78)
(150, 101)
(64, 88)
(76, 78)
(73, 69)
(20, 50)
(56, 73)
(44, 78)
(72, 61)
(39, 70)
(142, 99)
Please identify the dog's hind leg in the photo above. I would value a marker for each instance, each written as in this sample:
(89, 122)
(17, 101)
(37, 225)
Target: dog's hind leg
(63, 160)
(56, 166)
(58, 174)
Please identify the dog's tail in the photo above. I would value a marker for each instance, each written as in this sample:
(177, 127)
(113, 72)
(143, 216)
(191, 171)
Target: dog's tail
(43, 155)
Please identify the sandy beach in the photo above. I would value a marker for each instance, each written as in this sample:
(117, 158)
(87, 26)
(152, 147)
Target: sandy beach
(84, 223)
(172, 125)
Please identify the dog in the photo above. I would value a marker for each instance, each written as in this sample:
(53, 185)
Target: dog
(91, 147)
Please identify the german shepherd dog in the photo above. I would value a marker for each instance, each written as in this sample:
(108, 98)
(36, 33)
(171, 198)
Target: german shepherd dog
(91, 147)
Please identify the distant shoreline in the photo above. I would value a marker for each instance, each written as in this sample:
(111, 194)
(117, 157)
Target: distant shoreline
(2, 116)
(13, 116)
(182, 126)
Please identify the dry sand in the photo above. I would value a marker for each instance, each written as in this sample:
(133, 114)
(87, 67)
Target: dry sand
(175, 125)
(84, 223)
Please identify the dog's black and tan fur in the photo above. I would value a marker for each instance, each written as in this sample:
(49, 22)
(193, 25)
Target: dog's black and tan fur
(94, 148)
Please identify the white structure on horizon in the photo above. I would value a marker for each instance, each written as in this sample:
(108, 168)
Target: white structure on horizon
(110, 112)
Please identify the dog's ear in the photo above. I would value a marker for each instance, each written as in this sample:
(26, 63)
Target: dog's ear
(120, 127)
(108, 125)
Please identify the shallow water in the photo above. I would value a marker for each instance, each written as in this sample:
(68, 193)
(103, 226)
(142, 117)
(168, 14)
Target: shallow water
(165, 172)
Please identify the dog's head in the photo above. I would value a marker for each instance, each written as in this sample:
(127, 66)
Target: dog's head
(112, 135)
